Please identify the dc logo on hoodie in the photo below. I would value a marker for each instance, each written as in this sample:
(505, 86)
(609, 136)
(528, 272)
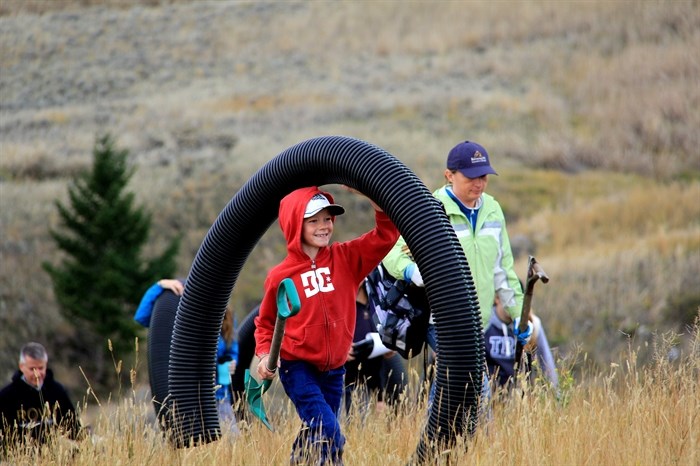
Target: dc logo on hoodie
(315, 281)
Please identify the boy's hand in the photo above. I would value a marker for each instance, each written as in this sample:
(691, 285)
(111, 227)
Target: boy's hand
(353, 190)
(263, 372)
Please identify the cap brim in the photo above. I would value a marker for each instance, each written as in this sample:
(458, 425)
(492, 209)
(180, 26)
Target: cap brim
(476, 172)
(333, 209)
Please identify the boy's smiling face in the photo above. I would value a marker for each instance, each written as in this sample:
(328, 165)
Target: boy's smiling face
(317, 232)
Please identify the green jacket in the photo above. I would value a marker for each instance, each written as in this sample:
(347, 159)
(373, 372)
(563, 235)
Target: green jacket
(488, 253)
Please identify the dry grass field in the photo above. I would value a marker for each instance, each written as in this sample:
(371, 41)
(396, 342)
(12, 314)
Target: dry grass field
(624, 415)
(589, 110)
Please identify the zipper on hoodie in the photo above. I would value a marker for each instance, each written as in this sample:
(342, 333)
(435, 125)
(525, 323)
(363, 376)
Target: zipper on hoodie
(326, 326)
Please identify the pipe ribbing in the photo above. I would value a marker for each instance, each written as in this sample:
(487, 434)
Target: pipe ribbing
(421, 220)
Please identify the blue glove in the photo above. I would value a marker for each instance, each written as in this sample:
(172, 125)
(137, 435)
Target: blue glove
(523, 337)
(223, 374)
(412, 274)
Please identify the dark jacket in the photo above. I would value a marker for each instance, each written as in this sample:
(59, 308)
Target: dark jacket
(23, 412)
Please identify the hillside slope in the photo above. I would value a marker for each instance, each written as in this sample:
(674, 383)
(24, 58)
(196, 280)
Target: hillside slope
(203, 93)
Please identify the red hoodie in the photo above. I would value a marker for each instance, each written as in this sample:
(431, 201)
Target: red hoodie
(321, 333)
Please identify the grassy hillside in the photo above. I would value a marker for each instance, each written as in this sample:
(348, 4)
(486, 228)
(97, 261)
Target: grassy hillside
(589, 110)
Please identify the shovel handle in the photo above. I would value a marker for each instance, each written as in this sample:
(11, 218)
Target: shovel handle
(288, 305)
(534, 272)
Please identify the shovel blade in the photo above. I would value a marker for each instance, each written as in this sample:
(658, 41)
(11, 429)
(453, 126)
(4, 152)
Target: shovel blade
(253, 393)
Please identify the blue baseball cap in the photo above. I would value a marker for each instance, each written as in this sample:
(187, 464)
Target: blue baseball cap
(470, 159)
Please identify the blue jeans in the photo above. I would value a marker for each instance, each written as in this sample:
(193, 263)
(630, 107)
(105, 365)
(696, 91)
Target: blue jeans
(316, 396)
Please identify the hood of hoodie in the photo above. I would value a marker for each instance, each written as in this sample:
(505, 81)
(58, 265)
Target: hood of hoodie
(291, 216)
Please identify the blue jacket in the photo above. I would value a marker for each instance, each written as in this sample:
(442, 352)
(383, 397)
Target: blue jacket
(224, 356)
(145, 309)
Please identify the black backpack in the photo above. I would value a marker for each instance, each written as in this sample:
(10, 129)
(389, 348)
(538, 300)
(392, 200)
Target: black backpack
(400, 312)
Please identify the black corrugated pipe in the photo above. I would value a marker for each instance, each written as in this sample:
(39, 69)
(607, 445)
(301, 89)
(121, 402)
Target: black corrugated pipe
(421, 220)
(246, 351)
(160, 331)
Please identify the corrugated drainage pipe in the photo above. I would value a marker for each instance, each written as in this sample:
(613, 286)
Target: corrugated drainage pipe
(245, 335)
(421, 220)
(160, 330)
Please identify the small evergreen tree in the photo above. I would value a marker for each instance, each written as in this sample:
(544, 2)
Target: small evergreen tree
(103, 274)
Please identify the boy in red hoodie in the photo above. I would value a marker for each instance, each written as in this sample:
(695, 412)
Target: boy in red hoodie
(318, 339)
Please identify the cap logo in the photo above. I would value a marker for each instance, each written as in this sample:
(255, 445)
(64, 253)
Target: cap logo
(478, 157)
(319, 202)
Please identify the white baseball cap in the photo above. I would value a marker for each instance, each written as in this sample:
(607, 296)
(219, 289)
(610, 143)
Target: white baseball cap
(320, 202)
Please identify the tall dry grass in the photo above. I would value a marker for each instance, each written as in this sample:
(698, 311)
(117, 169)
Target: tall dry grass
(621, 415)
(553, 89)
(647, 211)
(623, 263)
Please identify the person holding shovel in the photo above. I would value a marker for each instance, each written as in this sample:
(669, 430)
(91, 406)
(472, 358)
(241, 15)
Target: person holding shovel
(317, 340)
(500, 345)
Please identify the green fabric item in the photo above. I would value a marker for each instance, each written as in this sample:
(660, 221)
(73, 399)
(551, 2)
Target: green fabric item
(487, 250)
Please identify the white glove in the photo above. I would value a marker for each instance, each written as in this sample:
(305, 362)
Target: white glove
(413, 274)
(379, 349)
